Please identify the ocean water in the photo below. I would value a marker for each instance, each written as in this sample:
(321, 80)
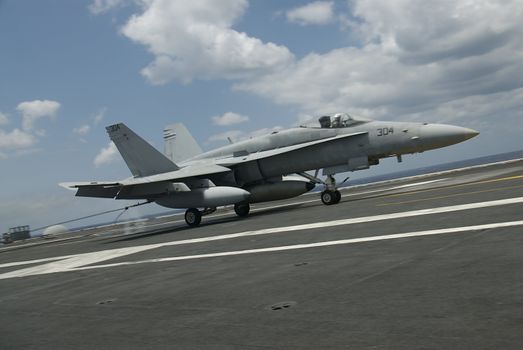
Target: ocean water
(440, 167)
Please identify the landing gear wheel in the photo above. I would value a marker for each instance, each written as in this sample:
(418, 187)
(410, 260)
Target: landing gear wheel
(193, 217)
(337, 197)
(242, 209)
(328, 197)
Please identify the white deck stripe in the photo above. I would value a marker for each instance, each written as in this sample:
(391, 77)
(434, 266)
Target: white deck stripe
(315, 245)
(72, 262)
(359, 220)
(28, 262)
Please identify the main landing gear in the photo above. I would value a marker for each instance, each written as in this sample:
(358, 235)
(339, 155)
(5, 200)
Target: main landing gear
(193, 216)
(242, 209)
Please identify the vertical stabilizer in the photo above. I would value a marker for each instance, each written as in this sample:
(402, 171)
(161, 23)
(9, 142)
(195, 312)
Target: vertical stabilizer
(179, 143)
(141, 158)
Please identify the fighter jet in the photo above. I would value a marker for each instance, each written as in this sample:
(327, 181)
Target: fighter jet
(262, 168)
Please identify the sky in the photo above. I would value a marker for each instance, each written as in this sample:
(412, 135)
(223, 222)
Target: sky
(238, 68)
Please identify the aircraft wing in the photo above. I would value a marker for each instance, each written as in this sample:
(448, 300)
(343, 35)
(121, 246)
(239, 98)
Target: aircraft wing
(144, 187)
(244, 157)
(196, 170)
(157, 185)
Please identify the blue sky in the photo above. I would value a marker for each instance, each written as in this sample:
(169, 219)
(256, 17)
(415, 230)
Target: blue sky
(69, 68)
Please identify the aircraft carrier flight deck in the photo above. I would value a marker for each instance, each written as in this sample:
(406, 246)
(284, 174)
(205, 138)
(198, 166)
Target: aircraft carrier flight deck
(431, 262)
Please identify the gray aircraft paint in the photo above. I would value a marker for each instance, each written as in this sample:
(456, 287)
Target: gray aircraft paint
(179, 144)
(253, 170)
(373, 140)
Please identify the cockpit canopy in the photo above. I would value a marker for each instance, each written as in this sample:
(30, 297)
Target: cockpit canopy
(341, 120)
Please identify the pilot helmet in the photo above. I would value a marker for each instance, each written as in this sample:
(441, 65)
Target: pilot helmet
(325, 121)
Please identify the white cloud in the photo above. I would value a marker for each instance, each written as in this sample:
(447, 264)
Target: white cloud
(444, 29)
(98, 7)
(16, 139)
(82, 130)
(33, 110)
(407, 58)
(3, 119)
(230, 118)
(414, 57)
(98, 117)
(106, 155)
(318, 12)
(19, 141)
(194, 40)
(86, 128)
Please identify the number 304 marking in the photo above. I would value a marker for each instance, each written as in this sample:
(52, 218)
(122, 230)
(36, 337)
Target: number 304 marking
(385, 131)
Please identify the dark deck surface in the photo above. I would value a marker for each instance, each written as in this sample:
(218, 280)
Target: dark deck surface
(290, 276)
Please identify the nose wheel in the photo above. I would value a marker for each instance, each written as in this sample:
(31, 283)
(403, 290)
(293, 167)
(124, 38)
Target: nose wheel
(329, 197)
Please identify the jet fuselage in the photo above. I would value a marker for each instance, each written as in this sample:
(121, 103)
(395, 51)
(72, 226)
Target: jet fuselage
(371, 141)
(256, 170)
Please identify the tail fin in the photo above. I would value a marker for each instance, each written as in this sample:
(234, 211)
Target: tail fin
(141, 158)
(179, 143)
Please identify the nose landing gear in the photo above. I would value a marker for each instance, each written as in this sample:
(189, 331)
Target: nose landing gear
(330, 195)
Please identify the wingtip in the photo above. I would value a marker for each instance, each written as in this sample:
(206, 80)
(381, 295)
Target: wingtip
(68, 185)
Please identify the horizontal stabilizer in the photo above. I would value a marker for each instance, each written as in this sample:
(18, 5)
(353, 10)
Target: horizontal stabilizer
(145, 187)
(75, 185)
(94, 189)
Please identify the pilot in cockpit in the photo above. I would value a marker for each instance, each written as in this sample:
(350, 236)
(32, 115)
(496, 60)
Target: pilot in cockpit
(325, 121)
(336, 121)
(340, 120)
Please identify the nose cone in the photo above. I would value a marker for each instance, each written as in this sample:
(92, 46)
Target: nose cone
(469, 133)
(441, 135)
